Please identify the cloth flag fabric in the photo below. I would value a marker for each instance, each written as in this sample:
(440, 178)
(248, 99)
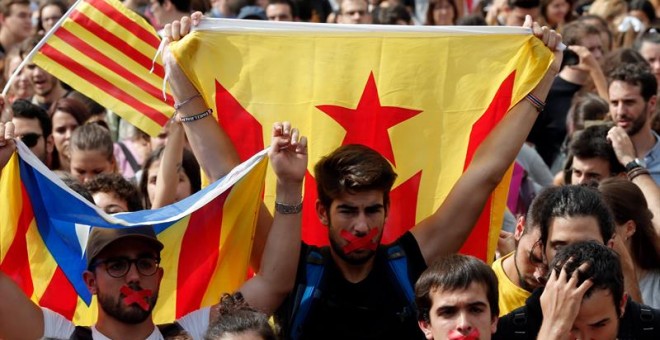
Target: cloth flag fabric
(44, 227)
(424, 97)
(105, 51)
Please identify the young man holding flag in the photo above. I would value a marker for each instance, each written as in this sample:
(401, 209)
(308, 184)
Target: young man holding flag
(362, 300)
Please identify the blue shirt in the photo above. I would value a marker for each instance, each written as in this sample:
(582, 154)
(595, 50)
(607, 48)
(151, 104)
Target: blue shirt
(652, 159)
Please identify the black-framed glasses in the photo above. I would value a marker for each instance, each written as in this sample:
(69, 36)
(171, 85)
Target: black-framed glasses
(30, 139)
(119, 267)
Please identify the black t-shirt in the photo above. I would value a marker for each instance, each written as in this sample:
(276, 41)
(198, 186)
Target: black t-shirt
(639, 322)
(549, 130)
(370, 309)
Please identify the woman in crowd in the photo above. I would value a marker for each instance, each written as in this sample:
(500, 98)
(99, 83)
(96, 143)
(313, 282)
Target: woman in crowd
(634, 227)
(66, 114)
(92, 152)
(50, 11)
(557, 13)
(442, 13)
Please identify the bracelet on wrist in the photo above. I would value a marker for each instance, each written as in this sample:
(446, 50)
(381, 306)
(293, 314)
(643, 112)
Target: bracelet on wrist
(179, 105)
(632, 174)
(288, 209)
(188, 119)
(538, 104)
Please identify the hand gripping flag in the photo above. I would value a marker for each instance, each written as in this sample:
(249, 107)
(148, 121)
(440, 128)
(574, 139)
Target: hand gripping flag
(424, 97)
(105, 51)
(44, 227)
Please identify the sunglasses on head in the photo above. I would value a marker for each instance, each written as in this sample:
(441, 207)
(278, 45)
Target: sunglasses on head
(30, 139)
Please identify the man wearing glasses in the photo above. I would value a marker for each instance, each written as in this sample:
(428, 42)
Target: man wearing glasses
(33, 126)
(123, 266)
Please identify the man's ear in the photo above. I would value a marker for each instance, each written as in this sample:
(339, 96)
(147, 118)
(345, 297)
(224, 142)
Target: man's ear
(167, 5)
(622, 307)
(426, 329)
(90, 281)
(493, 324)
(50, 144)
(520, 228)
(322, 213)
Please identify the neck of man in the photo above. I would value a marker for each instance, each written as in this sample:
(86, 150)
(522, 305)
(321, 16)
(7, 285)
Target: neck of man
(574, 75)
(56, 93)
(353, 273)
(643, 141)
(115, 329)
(509, 266)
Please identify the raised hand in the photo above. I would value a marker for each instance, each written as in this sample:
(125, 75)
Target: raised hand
(550, 38)
(622, 145)
(288, 153)
(7, 144)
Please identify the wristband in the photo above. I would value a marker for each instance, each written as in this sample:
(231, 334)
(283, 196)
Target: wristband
(536, 102)
(198, 116)
(177, 106)
(288, 209)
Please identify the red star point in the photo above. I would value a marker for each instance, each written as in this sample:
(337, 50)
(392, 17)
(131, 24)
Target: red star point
(368, 123)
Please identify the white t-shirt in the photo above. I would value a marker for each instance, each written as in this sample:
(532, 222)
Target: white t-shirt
(57, 326)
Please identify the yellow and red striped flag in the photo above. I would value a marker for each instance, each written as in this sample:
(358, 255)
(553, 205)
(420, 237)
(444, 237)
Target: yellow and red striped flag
(105, 51)
(424, 97)
(44, 227)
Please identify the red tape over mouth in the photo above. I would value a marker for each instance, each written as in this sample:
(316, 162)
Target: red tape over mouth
(136, 296)
(457, 335)
(359, 242)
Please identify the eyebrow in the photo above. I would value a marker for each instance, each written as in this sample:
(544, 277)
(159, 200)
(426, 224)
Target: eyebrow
(601, 321)
(471, 304)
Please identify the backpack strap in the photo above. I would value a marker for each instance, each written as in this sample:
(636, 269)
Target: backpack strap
(129, 157)
(314, 268)
(396, 258)
(649, 322)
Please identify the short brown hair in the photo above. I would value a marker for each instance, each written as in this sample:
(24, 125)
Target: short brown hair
(353, 168)
(5, 5)
(455, 272)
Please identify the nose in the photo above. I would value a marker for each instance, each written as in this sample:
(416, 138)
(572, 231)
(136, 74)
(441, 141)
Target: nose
(539, 274)
(133, 275)
(463, 324)
(361, 225)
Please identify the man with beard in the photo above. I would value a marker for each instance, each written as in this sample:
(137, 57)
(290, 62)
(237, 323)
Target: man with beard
(357, 288)
(632, 91)
(47, 89)
(123, 266)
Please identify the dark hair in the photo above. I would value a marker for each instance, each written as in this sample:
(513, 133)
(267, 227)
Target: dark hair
(58, 3)
(391, 15)
(601, 24)
(587, 107)
(592, 143)
(451, 273)
(523, 3)
(604, 268)
(627, 202)
(180, 5)
(574, 32)
(472, 20)
(93, 107)
(570, 201)
(76, 186)
(353, 168)
(26, 110)
(621, 56)
(636, 75)
(188, 163)
(644, 6)
(5, 5)
(118, 185)
(236, 316)
(291, 4)
(433, 4)
(71, 106)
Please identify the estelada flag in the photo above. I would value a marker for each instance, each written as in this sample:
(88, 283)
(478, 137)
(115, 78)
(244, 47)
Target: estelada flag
(424, 97)
(44, 227)
(105, 51)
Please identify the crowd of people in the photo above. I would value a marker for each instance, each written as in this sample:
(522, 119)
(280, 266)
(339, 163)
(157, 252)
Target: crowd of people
(579, 259)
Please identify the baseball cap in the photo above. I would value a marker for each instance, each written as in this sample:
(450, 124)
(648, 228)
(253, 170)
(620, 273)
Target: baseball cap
(252, 12)
(100, 238)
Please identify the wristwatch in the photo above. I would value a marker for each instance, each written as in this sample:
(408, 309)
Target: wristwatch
(635, 163)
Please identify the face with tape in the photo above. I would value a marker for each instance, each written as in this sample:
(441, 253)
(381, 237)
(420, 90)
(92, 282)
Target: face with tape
(130, 298)
(355, 224)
